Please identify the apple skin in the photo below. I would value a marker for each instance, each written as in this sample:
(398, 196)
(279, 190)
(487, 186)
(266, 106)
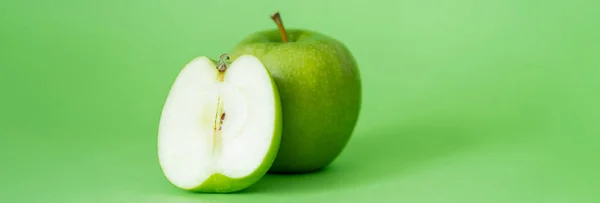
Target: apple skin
(320, 88)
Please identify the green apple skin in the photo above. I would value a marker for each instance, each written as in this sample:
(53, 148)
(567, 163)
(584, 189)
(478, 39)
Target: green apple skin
(320, 87)
(219, 183)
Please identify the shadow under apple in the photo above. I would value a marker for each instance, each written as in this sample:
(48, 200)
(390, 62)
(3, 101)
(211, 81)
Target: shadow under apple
(373, 156)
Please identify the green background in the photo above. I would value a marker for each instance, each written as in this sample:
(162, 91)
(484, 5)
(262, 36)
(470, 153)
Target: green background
(464, 100)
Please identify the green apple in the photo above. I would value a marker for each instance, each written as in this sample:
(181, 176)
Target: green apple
(220, 127)
(320, 88)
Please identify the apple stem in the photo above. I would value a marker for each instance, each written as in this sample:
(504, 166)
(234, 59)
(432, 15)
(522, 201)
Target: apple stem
(223, 62)
(222, 67)
(277, 18)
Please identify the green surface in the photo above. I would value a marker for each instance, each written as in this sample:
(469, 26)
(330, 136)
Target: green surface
(464, 101)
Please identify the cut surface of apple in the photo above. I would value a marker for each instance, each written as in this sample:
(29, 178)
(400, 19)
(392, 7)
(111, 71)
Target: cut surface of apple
(220, 129)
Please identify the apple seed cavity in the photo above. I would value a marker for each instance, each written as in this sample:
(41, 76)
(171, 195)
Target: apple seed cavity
(220, 115)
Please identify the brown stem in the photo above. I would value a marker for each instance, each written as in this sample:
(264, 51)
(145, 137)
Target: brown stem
(222, 67)
(277, 18)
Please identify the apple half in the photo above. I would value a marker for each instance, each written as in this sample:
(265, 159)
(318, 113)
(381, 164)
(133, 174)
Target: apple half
(220, 128)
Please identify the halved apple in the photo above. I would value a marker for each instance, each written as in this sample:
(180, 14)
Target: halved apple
(220, 128)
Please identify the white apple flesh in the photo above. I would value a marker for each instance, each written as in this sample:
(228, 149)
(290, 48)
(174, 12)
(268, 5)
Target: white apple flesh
(219, 129)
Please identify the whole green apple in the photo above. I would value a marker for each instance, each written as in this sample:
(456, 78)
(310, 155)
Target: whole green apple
(320, 90)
